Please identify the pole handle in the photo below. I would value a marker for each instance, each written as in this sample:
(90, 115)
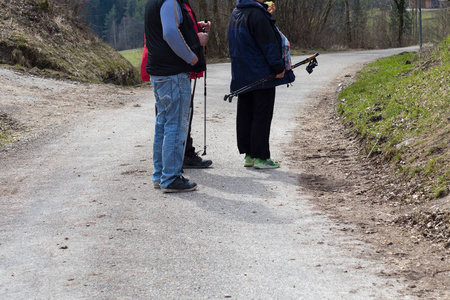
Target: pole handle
(306, 60)
(203, 28)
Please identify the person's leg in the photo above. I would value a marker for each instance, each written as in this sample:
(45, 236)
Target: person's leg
(159, 91)
(263, 106)
(191, 159)
(173, 96)
(194, 161)
(190, 149)
(244, 123)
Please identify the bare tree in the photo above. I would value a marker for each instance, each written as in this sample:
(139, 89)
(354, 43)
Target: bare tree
(218, 12)
(360, 23)
(320, 23)
(303, 21)
(348, 33)
(400, 8)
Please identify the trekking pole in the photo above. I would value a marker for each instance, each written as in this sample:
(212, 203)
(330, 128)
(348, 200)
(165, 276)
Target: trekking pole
(312, 64)
(204, 104)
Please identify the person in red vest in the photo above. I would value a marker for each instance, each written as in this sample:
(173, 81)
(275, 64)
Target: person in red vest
(191, 158)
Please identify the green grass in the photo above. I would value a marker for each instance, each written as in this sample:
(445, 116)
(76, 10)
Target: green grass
(8, 129)
(402, 98)
(429, 14)
(134, 56)
(4, 138)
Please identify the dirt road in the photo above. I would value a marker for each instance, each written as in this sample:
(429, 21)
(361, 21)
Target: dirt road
(80, 219)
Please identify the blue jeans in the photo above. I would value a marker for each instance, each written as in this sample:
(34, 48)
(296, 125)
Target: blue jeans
(172, 94)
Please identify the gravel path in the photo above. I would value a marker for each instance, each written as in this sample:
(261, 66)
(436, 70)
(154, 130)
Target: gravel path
(80, 219)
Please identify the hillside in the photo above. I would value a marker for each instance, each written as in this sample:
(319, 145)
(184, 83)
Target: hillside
(399, 110)
(46, 37)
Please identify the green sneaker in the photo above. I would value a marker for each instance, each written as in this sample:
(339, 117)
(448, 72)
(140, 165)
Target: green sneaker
(248, 161)
(265, 164)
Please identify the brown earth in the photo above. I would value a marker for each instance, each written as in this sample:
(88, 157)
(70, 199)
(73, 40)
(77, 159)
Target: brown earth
(34, 106)
(372, 199)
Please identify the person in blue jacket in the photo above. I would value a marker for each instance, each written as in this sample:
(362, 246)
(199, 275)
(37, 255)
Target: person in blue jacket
(256, 52)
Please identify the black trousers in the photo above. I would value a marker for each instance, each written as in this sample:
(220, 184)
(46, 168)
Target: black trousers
(190, 149)
(253, 121)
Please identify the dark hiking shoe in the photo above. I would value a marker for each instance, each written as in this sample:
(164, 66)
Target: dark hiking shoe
(195, 162)
(156, 184)
(179, 185)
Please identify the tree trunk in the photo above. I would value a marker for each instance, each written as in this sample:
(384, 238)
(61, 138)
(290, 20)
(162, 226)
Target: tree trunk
(348, 34)
(400, 9)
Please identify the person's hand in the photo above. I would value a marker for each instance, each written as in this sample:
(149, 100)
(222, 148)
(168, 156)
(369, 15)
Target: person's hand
(194, 60)
(205, 26)
(272, 8)
(203, 37)
(281, 75)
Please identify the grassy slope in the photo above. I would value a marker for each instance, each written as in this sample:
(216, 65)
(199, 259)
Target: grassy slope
(400, 106)
(47, 37)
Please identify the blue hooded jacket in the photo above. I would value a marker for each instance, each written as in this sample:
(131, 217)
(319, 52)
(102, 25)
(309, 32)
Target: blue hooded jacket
(255, 47)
